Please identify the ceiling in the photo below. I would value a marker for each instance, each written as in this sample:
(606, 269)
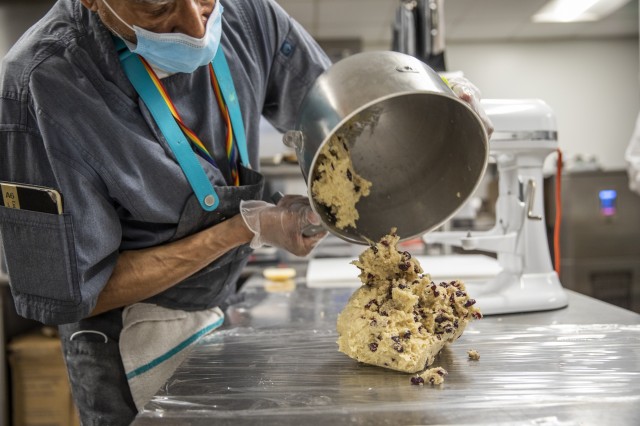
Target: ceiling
(465, 20)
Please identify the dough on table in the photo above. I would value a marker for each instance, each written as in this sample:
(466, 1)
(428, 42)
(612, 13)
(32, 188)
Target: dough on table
(337, 185)
(473, 355)
(433, 376)
(399, 318)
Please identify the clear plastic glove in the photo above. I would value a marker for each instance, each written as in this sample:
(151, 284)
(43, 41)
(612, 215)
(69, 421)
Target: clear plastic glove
(632, 156)
(281, 225)
(468, 92)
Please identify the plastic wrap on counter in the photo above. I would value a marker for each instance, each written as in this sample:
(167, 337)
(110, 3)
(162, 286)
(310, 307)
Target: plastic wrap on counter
(559, 374)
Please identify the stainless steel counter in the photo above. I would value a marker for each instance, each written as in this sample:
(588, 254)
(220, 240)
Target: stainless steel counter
(275, 362)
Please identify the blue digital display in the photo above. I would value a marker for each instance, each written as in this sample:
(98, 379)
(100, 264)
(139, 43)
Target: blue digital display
(608, 199)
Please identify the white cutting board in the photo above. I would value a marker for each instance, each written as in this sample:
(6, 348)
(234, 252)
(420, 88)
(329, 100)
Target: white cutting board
(338, 272)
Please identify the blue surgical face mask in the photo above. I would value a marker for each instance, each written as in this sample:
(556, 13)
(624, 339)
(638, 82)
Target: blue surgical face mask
(176, 52)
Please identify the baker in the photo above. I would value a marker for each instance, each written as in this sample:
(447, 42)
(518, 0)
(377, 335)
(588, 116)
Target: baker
(144, 116)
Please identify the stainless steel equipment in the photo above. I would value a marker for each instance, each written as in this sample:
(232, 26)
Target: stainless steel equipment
(525, 134)
(600, 236)
(424, 149)
(418, 31)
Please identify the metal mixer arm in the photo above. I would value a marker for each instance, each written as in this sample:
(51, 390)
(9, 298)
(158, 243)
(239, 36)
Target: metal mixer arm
(448, 238)
(494, 241)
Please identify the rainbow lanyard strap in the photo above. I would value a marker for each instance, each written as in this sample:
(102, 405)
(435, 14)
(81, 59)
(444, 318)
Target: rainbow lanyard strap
(154, 96)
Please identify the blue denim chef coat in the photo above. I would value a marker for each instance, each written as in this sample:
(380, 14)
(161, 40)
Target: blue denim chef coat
(70, 119)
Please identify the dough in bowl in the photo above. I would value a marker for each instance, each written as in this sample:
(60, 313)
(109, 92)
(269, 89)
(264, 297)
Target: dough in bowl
(337, 185)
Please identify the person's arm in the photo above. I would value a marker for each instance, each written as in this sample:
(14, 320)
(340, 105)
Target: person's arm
(140, 274)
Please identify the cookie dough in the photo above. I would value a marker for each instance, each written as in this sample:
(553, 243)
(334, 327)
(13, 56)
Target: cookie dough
(337, 185)
(399, 318)
(473, 355)
(433, 376)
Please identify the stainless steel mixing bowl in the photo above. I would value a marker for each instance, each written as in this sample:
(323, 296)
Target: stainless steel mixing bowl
(423, 149)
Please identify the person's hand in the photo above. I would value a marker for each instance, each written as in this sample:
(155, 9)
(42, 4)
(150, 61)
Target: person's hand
(632, 157)
(468, 92)
(281, 225)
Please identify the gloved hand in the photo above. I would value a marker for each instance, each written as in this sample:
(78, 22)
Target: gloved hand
(632, 157)
(468, 92)
(281, 225)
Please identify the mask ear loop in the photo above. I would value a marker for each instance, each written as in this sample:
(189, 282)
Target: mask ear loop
(114, 13)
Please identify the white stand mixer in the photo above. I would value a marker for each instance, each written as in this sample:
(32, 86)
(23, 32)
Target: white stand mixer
(525, 134)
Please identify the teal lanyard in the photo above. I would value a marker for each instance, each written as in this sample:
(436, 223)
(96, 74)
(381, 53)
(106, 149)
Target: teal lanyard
(193, 171)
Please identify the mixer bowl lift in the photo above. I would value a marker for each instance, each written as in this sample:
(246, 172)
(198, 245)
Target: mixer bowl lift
(525, 134)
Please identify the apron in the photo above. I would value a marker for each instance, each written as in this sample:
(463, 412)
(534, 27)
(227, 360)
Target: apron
(93, 358)
(159, 333)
